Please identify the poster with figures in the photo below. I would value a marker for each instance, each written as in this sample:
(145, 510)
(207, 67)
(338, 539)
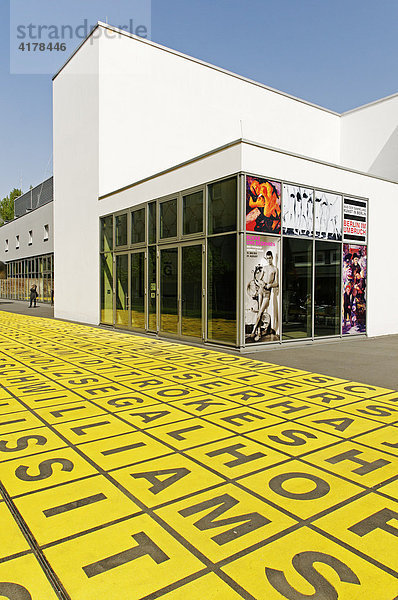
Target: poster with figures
(262, 288)
(328, 216)
(263, 205)
(298, 211)
(354, 288)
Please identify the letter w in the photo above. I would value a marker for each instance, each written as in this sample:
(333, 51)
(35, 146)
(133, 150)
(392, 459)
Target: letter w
(249, 522)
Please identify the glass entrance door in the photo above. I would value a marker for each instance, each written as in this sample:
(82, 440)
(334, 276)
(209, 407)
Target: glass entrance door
(191, 290)
(137, 292)
(122, 290)
(181, 286)
(169, 317)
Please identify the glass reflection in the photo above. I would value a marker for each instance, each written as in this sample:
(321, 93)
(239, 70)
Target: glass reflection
(107, 234)
(152, 222)
(168, 290)
(138, 226)
(327, 288)
(168, 218)
(222, 206)
(297, 289)
(191, 291)
(152, 289)
(106, 289)
(121, 230)
(122, 289)
(137, 262)
(221, 288)
(192, 213)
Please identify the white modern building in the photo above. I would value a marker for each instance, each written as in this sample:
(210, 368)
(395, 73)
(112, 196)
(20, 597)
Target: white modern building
(26, 245)
(191, 202)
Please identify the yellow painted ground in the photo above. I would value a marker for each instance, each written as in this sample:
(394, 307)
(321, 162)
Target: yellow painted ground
(136, 469)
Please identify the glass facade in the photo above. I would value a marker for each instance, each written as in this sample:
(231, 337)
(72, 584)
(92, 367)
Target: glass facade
(216, 265)
(22, 274)
(160, 270)
(297, 289)
(221, 290)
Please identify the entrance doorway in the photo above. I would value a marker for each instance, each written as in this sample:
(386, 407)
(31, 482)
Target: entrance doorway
(181, 270)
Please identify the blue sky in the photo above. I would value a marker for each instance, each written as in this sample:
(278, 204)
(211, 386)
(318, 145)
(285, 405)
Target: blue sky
(339, 54)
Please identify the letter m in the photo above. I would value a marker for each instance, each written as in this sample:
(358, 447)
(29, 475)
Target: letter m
(222, 504)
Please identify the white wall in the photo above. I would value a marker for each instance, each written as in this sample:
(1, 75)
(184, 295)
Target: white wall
(76, 245)
(158, 109)
(215, 166)
(382, 290)
(369, 138)
(33, 221)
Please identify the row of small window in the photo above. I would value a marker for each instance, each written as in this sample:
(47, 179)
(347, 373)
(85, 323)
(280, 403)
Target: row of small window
(173, 218)
(30, 239)
(31, 267)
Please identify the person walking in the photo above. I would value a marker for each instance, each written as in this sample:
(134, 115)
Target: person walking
(33, 295)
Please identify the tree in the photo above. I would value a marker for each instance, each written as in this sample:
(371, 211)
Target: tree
(7, 206)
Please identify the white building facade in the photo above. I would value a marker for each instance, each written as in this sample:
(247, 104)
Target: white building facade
(193, 203)
(27, 246)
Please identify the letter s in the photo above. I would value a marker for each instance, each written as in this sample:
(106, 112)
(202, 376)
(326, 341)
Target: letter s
(14, 591)
(23, 443)
(45, 469)
(304, 565)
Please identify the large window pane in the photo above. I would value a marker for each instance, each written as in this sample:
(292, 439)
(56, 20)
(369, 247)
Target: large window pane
(168, 290)
(222, 206)
(192, 213)
(327, 288)
(191, 290)
(138, 226)
(221, 288)
(152, 289)
(106, 289)
(152, 222)
(168, 218)
(122, 289)
(297, 288)
(121, 230)
(138, 290)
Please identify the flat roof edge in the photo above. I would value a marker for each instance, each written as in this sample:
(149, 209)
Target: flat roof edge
(378, 101)
(195, 60)
(250, 143)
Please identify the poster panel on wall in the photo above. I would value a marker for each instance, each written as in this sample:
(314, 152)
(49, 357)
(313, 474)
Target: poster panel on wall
(354, 288)
(263, 205)
(262, 267)
(355, 220)
(328, 221)
(298, 211)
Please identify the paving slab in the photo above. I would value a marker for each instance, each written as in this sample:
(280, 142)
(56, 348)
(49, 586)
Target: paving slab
(134, 468)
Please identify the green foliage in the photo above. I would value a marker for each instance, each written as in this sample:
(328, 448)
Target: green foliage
(7, 206)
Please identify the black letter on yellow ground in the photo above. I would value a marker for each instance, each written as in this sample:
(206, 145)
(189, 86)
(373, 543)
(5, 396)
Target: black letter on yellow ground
(23, 443)
(304, 565)
(145, 546)
(291, 434)
(241, 458)
(378, 520)
(367, 467)
(251, 521)
(45, 469)
(13, 591)
(321, 486)
(159, 485)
